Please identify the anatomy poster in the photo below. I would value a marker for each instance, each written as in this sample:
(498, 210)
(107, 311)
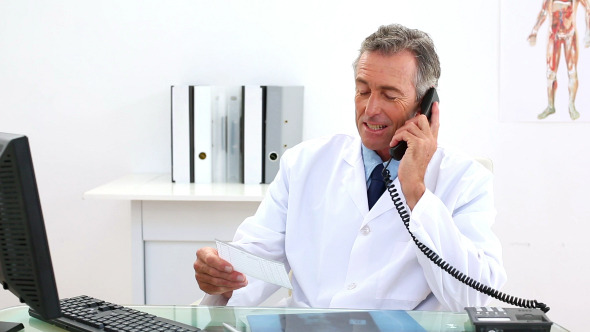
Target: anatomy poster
(545, 61)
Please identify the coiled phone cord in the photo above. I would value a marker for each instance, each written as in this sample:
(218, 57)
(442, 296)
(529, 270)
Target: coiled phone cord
(436, 259)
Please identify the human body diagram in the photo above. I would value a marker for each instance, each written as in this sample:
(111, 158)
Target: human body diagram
(562, 37)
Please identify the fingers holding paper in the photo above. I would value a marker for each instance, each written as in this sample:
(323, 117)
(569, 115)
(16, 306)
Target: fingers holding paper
(216, 276)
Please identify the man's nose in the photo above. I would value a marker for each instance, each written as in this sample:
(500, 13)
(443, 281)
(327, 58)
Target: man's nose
(373, 105)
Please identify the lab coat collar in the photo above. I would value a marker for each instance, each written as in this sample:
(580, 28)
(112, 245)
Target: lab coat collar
(356, 186)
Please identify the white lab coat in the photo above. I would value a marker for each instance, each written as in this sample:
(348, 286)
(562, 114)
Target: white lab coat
(315, 219)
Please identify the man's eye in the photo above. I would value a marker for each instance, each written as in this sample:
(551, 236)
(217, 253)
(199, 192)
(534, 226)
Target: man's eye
(363, 93)
(389, 97)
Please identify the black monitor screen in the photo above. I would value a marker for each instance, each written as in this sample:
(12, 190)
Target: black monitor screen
(25, 261)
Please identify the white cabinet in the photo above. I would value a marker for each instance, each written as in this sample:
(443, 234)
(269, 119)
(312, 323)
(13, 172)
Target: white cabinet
(169, 222)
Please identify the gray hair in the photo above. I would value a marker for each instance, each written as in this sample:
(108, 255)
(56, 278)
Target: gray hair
(394, 38)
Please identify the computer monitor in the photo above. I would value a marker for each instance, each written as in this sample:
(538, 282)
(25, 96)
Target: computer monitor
(25, 262)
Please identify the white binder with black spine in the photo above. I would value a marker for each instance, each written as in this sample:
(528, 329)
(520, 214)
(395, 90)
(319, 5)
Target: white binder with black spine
(180, 134)
(283, 121)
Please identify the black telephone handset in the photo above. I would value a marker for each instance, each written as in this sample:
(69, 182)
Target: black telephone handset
(397, 152)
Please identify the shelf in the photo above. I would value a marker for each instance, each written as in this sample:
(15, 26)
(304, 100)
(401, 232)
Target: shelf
(158, 187)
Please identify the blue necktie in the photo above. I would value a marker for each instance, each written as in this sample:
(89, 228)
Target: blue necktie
(377, 186)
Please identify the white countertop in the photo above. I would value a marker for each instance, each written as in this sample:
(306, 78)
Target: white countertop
(159, 187)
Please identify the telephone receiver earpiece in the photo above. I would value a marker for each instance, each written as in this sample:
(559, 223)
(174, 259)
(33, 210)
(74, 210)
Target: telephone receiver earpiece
(398, 151)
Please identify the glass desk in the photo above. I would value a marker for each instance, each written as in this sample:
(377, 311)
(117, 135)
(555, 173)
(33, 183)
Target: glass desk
(211, 318)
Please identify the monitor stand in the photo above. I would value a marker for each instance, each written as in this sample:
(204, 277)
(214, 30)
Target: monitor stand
(11, 327)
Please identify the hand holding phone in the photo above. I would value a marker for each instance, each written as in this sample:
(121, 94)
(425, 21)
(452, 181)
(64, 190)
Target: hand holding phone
(398, 151)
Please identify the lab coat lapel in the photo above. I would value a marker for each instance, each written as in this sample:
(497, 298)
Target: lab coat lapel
(354, 177)
(385, 203)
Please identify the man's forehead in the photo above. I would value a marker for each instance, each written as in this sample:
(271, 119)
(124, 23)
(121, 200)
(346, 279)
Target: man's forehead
(400, 66)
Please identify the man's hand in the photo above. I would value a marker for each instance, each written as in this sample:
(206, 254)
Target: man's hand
(532, 39)
(215, 275)
(421, 137)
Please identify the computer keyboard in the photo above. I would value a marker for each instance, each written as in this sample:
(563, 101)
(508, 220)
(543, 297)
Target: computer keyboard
(88, 314)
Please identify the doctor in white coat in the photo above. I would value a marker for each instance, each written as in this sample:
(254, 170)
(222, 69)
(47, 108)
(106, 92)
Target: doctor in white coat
(316, 219)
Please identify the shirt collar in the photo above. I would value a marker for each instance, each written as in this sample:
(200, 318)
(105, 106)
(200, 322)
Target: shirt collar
(372, 159)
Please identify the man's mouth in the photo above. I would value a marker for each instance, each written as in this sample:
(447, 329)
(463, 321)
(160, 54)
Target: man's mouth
(375, 127)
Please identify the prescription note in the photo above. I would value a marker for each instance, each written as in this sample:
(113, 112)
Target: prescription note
(255, 266)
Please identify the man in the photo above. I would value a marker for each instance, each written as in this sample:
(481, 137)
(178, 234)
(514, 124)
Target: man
(316, 218)
(562, 33)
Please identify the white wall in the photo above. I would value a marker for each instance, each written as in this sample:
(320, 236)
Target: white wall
(88, 82)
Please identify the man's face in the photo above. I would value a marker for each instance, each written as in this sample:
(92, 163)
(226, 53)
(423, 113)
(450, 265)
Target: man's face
(385, 97)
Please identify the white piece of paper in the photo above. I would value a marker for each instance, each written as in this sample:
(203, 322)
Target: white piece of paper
(255, 266)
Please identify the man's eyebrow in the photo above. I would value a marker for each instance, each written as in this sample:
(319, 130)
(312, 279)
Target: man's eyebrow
(382, 87)
(360, 80)
(391, 88)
